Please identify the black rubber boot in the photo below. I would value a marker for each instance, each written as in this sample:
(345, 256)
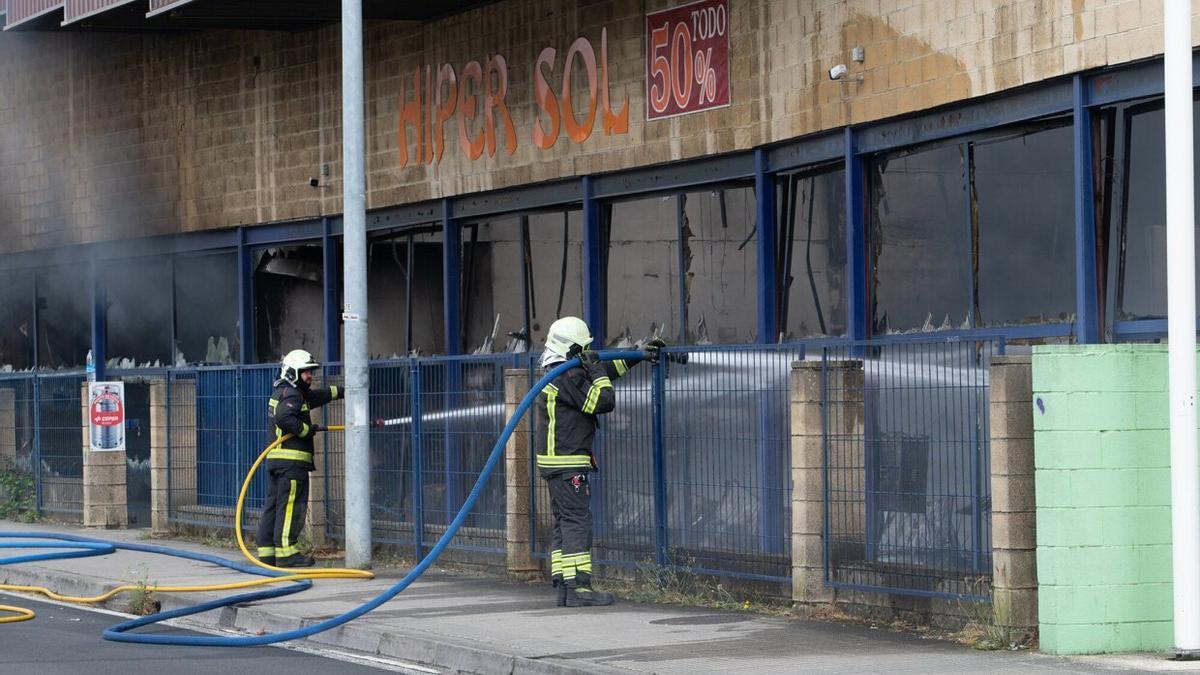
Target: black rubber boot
(562, 594)
(585, 596)
(296, 560)
(267, 560)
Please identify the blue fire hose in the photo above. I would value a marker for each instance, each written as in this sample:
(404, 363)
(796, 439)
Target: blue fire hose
(84, 546)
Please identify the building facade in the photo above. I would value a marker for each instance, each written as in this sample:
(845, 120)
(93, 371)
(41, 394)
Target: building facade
(979, 166)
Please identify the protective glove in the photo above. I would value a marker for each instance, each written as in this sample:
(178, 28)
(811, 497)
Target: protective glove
(652, 349)
(313, 429)
(588, 358)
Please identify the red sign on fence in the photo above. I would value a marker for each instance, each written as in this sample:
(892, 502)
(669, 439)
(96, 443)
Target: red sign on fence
(687, 59)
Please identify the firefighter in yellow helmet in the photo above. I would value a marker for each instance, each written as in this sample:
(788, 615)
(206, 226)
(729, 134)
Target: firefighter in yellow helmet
(288, 465)
(568, 407)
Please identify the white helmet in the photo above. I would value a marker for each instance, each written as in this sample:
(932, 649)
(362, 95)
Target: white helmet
(567, 334)
(294, 362)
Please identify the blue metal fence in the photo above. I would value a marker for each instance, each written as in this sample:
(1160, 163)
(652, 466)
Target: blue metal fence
(695, 463)
(907, 490)
(694, 466)
(45, 432)
(443, 415)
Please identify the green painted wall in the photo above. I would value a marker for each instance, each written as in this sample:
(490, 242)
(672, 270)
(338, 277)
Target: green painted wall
(1102, 462)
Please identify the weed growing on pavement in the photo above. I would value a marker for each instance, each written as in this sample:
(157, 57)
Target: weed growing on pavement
(677, 583)
(988, 629)
(17, 495)
(141, 599)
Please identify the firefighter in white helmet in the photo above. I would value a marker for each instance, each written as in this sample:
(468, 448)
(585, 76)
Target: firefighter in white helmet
(288, 465)
(568, 407)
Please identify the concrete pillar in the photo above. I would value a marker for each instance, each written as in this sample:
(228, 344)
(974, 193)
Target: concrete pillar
(8, 427)
(808, 412)
(519, 481)
(1014, 534)
(172, 449)
(105, 502)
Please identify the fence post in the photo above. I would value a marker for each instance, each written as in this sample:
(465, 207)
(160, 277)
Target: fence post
(825, 406)
(518, 487)
(36, 404)
(8, 427)
(660, 470)
(418, 490)
(105, 499)
(314, 526)
(160, 452)
(1014, 535)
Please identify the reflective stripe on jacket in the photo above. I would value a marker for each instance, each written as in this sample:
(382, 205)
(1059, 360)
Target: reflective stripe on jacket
(568, 409)
(290, 409)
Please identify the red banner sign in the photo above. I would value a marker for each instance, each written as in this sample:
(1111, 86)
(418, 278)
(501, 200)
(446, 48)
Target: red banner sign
(687, 59)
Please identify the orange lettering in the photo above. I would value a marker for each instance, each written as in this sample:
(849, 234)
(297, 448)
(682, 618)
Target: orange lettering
(613, 124)
(444, 106)
(544, 96)
(576, 131)
(466, 110)
(410, 113)
(493, 101)
(428, 116)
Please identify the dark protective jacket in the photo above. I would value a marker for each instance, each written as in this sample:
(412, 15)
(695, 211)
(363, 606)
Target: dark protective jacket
(290, 409)
(568, 409)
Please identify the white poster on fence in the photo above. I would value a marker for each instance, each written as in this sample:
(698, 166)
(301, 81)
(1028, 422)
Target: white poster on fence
(106, 416)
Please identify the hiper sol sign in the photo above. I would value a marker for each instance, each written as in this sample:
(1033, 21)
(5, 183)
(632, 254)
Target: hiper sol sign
(106, 416)
(687, 59)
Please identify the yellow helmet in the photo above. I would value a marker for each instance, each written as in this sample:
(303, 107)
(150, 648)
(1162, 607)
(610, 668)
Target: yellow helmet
(567, 334)
(294, 362)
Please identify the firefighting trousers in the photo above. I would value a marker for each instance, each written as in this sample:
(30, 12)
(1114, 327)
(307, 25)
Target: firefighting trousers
(284, 510)
(571, 554)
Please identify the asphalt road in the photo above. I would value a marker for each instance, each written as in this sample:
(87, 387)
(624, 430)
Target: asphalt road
(63, 640)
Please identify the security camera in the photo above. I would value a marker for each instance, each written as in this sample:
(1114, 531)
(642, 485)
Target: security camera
(314, 182)
(837, 72)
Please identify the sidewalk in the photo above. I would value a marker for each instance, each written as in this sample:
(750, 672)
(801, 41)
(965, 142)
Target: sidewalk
(478, 625)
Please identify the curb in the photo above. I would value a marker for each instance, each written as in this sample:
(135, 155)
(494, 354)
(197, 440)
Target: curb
(436, 651)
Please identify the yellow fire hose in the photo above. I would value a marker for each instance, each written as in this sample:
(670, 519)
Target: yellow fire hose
(22, 614)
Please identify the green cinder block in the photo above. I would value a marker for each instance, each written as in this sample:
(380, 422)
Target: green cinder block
(1082, 639)
(1052, 487)
(1154, 564)
(1104, 487)
(1135, 448)
(1154, 487)
(1055, 449)
(1157, 636)
(1152, 410)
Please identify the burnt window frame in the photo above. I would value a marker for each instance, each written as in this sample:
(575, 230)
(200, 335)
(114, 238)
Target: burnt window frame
(786, 183)
(679, 195)
(966, 145)
(528, 290)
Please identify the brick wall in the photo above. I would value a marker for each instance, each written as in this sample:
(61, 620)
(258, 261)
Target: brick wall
(112, 136)
(1103, 498)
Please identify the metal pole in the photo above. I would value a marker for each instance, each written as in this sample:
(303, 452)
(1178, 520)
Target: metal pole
(1181, 325)
(354, 269)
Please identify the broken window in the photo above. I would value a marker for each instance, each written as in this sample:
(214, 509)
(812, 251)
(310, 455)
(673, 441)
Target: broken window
(404, 293)
(556, 270)
(811, 208)
(289, 301)
(920, 241)
(977, 232)
(642, 268)
(137, 297)
(64, 316)
(1139, 219)
(16, 321)
(206, 309)
(520, 273)
(720, 262)
(1024, 199)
